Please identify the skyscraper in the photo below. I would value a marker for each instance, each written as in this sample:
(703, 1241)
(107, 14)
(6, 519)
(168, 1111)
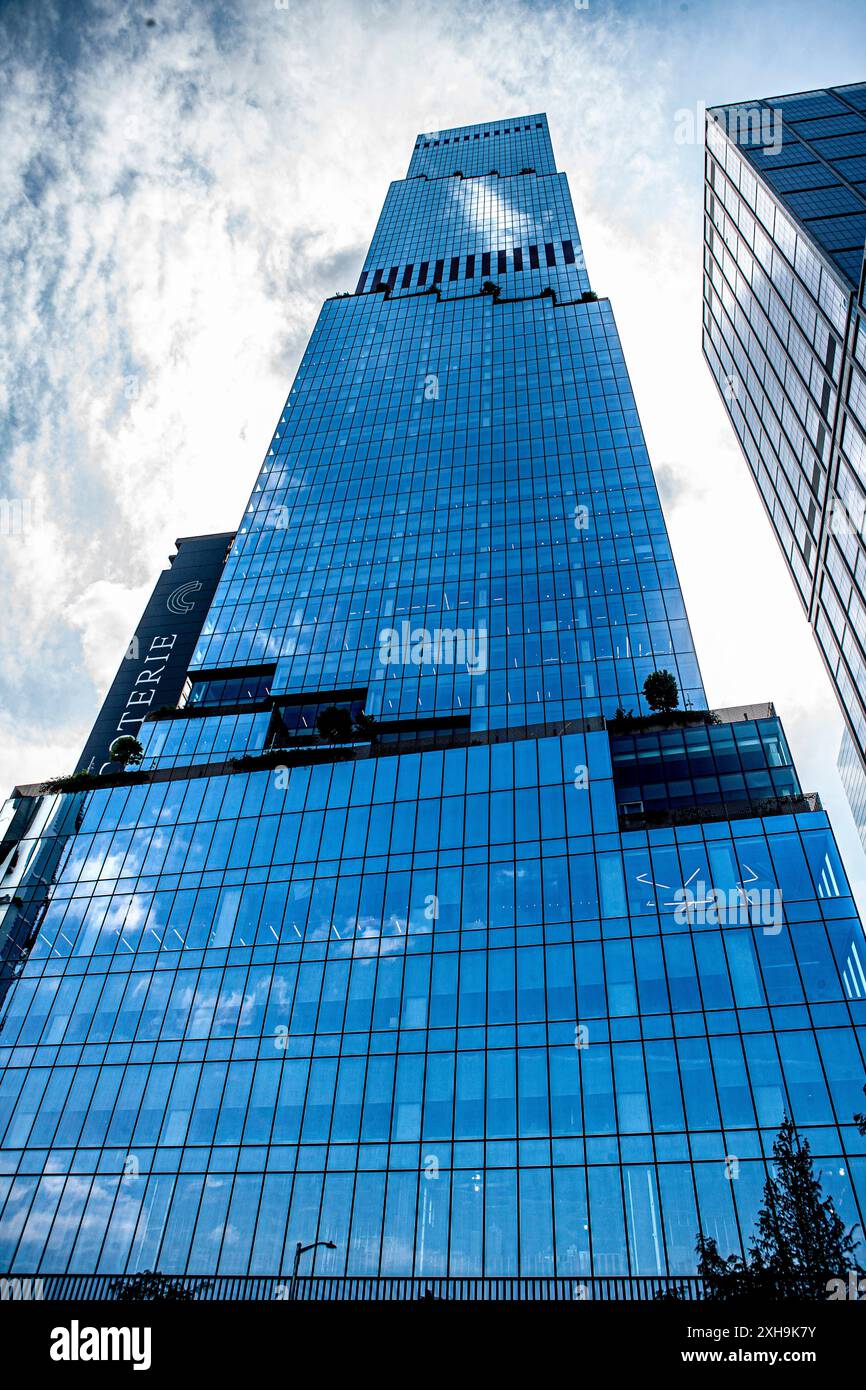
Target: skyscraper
(785, 340)
(415, 934)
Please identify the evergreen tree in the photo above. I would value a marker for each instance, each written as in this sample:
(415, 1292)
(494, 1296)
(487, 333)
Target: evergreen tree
(723, 1279)
(800, 1241)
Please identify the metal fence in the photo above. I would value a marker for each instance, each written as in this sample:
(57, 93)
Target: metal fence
(346, 1288)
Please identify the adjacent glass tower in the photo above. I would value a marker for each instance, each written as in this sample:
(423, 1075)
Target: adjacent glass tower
(512, 980)
(785, 339)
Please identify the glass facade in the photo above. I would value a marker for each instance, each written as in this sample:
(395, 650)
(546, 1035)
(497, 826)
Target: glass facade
(785, 339)
(853, 777)
(424, 986)
(730, 760)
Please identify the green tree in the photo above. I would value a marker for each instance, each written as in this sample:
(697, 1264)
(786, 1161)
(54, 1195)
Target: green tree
(126, 750)
(661, 691)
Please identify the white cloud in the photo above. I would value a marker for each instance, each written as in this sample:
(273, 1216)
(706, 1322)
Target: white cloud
(101, 615)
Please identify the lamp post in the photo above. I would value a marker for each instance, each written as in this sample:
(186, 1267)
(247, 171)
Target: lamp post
(302, 1250)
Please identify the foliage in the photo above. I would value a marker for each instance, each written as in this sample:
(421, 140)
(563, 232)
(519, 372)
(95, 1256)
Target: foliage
(334, 724)
(126, 750)
(625, 721)
(149, 1287)
(801, 1239)
(800, 1242)
(661, 691)
(70, 782)
(366, 725)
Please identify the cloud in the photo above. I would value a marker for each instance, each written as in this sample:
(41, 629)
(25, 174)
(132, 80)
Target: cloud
(101, 615)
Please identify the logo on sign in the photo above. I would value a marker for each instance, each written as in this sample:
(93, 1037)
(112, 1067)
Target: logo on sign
(177, 599)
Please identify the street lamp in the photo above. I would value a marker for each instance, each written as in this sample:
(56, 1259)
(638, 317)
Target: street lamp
(302, 1250)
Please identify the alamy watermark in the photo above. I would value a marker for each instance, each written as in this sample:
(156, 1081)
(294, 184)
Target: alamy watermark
(847, 516)
(732, 907)
(441, 646)
(853, 1288)
(743, 125)
(22, 1290)
(17, 516)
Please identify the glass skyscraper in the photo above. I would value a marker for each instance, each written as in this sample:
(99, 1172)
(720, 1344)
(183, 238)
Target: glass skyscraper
(415, 932)
(785, 339)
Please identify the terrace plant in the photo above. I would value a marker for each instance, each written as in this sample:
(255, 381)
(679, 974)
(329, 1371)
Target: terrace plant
(126, 750)
(661, 691)
(334, 724)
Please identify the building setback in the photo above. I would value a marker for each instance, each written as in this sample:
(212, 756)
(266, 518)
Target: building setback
(516, 980)
(785, 340)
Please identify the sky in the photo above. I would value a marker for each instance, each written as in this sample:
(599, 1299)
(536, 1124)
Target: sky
(181, 186)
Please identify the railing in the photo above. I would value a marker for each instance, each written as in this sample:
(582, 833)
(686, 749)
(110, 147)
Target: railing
(659, 722)
(734, 714)
(720, 810)
(348, 1288)
(446, 731)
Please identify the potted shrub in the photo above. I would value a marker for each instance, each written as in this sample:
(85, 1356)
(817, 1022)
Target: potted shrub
(334, 724)
(126, 750)
(661, 691)
(366, 726)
